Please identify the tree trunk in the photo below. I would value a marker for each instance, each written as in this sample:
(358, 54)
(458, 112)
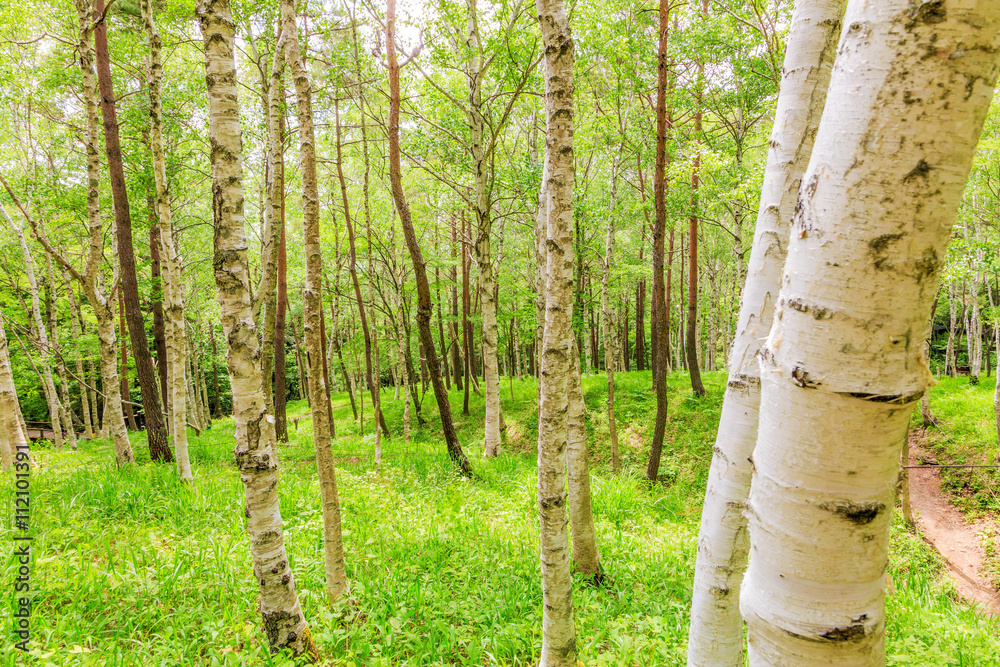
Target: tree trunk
(156, 300)
(256, 452)
(950, 352)
(333, 544)
(691, 339)
(76, 322)
(175, 326)
(215, 375)
(424, 308)
(837, 395)
(303, 389)
(280, 414)
(483, 229)
(156, 432)
(658, 313)
(466, 336)
(558, 635)
(716, 634)
(609, 338)
(125, 388)
(274, 213)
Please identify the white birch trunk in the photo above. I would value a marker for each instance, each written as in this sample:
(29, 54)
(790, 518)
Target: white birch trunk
(174, 324)
(558, 633)
(715, 636)
(256, 451)
(333, 546)
(842, 367)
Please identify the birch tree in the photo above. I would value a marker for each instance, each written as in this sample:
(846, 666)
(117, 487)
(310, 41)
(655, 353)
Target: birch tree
(175, 327)
(842, 368)
(256, 451)
(716, 634)
(558, 633)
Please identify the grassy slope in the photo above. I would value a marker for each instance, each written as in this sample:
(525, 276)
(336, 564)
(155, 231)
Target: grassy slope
(133, 568)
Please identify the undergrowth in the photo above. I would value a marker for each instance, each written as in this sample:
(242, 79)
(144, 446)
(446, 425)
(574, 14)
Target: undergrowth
(131, 567)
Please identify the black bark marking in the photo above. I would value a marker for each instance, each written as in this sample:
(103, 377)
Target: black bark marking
(857, 513)
(879, 246)
(921, 171)
(801, 377)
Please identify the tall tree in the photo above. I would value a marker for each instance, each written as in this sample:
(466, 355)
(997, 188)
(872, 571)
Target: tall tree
(691, 339)
(333, 544)
(716, 634)
(175, 326)
(842, 368)
(558, 634)
(658, 309)
(256, 451)
(424, 306)
(156, 430)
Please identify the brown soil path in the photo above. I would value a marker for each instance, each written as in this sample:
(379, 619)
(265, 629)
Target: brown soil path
(946, 528)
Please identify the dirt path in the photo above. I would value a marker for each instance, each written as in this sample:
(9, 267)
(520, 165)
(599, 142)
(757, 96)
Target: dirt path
(946, 528)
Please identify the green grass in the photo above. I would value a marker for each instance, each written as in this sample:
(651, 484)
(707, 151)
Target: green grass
(131, 567)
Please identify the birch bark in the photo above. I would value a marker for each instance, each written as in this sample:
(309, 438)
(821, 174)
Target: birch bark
(484, 227)
(175, 329)
(558, 633)
(842, 368)
(333, 544)
(716, 634)
(256, 452)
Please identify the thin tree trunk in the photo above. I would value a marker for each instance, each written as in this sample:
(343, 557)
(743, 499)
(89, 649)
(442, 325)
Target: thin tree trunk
(125, 388)
(215, 375)
(424, 307)
(256, 452)
(483, 229)
(609, 337)
(691, 339)
(836, 397)
(716, 634)
(280, 414)
(66, 407)
(175, 329)
(658, 313)
(76, 322)
(558, 635)
(333, 544)
(303, 389)
(156, 299)
(156, 432)
(274, 214)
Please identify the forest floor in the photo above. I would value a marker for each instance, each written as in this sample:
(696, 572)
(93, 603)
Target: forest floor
(131, 567)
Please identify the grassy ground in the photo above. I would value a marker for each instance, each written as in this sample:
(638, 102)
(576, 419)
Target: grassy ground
(133, 568)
